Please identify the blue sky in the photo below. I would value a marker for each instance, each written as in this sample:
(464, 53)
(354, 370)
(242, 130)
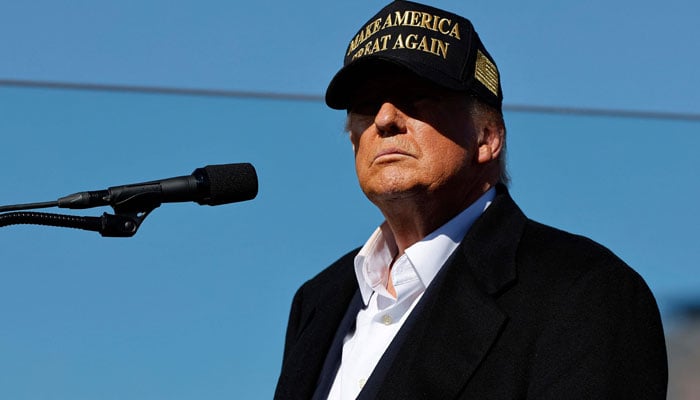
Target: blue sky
(600, 53)
(195, 305)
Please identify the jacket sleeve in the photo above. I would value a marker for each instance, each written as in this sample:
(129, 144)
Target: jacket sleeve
(293, 323)
(605, 341)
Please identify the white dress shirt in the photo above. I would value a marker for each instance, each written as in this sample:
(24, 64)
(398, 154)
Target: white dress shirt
(383, 315)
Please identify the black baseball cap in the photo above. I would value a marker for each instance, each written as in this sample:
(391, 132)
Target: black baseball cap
(434, 44)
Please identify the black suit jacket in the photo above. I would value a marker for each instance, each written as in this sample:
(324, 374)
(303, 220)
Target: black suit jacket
(519, 311)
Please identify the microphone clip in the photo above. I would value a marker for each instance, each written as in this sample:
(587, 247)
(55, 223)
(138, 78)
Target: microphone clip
(122, 224)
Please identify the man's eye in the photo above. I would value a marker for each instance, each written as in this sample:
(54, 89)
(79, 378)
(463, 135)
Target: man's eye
(410, 103)
(366, 108)
(421, 98)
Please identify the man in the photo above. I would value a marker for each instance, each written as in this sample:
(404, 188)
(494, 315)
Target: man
(457, 295)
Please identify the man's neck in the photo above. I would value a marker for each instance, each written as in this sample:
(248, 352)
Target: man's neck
(412, 218)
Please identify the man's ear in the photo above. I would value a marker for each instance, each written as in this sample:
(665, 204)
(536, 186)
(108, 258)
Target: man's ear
(491, 142)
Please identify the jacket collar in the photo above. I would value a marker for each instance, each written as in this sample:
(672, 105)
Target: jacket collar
(490, 246)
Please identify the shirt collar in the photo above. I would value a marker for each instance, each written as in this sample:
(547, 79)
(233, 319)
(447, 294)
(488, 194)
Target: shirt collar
(427, 256)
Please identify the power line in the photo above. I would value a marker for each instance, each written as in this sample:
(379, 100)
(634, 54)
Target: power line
(581, 111)
(159, 90)
(604, 112)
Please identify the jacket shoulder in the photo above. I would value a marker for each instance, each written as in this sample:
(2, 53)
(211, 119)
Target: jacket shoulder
(566, 252)
(339, 271)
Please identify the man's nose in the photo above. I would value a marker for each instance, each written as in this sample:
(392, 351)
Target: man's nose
(390, 120)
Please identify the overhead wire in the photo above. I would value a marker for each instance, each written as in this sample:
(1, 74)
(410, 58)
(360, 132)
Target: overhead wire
(252, 94)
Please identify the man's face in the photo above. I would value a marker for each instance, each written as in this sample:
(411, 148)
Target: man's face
(412, 138)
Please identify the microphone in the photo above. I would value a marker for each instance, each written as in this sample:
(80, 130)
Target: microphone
(212, 185)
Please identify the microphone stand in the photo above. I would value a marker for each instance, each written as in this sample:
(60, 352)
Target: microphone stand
(128, 216)
(108, 225)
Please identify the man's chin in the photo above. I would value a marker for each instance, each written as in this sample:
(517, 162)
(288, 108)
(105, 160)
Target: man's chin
(394, 193)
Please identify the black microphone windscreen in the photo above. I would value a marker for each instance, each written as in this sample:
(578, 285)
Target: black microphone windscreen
(230, 183)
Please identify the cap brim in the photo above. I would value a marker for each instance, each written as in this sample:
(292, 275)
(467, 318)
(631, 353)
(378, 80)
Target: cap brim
(343, 86)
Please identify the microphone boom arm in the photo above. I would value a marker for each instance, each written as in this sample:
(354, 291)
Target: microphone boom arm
(131, 207)
(124, 224)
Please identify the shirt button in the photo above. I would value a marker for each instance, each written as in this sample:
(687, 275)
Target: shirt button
(387, 320)
(362, 382)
